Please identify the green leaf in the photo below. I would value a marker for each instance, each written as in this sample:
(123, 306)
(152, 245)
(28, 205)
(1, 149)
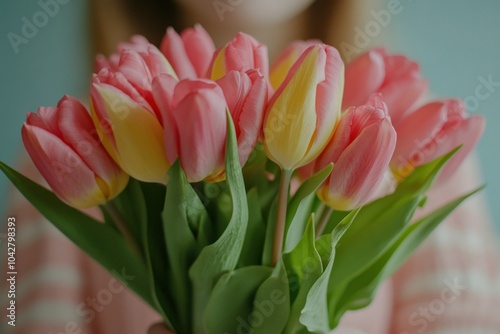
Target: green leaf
(232, 300)
(303, 265)
(273, 302)
(181, 246)
(222, 255)
(295, 231)
(98, 240)
(300, 207)
(257, 176)
(307, 188)
(315, 312)
(361, 291)
(198, 218)
(147, 200)
(126, 204)
(251, 253)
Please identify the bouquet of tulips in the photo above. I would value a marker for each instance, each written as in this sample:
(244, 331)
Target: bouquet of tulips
(242, 198)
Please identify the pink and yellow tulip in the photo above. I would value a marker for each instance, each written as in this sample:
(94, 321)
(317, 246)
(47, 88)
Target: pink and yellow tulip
(62, 142)
(304, 111)
(129, 129)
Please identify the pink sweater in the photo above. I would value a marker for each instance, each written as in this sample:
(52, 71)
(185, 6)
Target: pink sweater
(451, 285)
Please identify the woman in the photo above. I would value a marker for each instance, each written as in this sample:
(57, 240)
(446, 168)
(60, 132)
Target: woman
(447, 286)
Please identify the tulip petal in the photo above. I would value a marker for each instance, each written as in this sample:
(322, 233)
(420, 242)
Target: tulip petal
(252, 117)
(46, 119)
(286, 59)
(139, 149)
(135, 69)
(199, 49)
(172, 46)
(328, 99)
(163, 90)
(119, 81)
(156, 62)
(363, 76)
(416, 131)
(402, 96)
(241, 54)
(467, 134)
(246, 96)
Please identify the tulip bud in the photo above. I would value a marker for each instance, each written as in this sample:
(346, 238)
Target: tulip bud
(286, 59)
(396, 77)
(302, 114)
(432, 131)
(190, 53)
(195, 125)
(360, 150)
(130, 132)
(62, 142)
(240, 54)
(246, 96)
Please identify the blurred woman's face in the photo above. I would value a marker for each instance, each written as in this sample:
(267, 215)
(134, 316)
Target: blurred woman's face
(245, 12)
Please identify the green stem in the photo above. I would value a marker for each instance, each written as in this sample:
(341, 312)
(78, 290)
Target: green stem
(279, 228)
(121, 225)
(323, 220)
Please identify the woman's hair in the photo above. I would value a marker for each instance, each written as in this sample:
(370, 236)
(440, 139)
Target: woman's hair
(331, 21)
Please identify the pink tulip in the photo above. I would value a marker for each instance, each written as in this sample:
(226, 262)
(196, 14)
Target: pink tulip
(62, 142)
(194, 114)
(241, 54)
(126, 115)
(432, 131)
(361, 149)
(286, 59)
(246, 96)
(190, 53)
(396, 77)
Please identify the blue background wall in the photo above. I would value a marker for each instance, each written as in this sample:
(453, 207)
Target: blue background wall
(456, 42)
